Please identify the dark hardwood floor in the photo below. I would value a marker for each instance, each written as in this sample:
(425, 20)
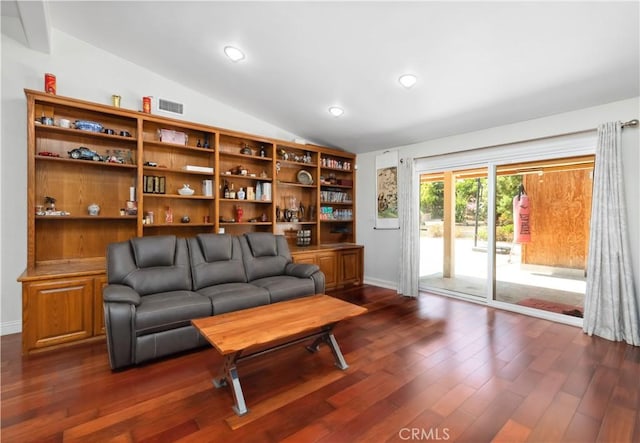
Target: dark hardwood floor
(432, 369)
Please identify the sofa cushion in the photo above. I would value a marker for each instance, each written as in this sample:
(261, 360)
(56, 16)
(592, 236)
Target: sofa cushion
(150, 265)
(162, 279)
(284, 287)
(262, 244)
(229, 297)
(169, 310)
(264, 265)
(215, 259)
(154, 251)
(215, 247)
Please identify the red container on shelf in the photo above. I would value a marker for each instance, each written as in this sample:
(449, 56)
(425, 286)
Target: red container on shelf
(146, 105)
(50, 83)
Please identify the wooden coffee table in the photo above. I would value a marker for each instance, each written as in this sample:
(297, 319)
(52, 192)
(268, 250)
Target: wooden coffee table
(234, 333)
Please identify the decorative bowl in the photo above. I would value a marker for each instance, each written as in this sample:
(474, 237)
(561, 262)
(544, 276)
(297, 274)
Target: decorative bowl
(86, 125)
(304, 177)
(185, 190)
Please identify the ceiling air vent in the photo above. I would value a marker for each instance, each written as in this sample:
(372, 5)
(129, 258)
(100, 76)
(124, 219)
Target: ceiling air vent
(169, 106)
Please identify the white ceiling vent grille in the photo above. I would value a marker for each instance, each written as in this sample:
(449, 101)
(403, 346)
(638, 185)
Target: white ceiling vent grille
(169, 106)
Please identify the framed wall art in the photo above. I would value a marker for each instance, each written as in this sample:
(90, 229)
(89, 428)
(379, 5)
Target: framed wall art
(387, 191)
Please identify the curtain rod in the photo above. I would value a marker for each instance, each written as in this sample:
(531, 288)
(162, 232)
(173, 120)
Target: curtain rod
(633, 122)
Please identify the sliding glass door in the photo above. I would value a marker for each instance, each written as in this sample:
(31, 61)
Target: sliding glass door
(453, 231)
(542, 233)
(510, 233)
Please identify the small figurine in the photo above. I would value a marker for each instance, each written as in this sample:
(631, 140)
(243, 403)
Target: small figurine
(93, 209)
(51, 203)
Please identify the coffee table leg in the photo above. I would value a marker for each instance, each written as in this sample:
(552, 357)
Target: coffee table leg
(229, 376)
(330, 340)
(337, 354)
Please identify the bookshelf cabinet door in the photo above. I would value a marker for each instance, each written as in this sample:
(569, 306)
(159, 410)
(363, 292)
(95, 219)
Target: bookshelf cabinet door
(328, 262)
(351, 266)
(57, 311)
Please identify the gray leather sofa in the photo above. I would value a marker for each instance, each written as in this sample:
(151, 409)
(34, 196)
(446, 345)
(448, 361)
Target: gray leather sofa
(157, 285)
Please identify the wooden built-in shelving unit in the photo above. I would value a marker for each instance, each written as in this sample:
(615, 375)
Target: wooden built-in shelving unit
(65, 273)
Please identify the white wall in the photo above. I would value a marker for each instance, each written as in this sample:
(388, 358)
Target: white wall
(382, 248)
(87, 73)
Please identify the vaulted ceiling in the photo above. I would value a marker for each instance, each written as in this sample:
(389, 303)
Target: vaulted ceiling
(478, 64)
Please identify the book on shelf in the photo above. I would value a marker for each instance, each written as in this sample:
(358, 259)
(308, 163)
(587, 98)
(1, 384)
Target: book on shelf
(193, 168)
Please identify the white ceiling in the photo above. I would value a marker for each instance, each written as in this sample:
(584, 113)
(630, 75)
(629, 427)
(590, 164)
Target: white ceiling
(479, 64)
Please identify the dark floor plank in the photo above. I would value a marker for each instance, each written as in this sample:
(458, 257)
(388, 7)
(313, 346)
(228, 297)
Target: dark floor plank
(433, 366)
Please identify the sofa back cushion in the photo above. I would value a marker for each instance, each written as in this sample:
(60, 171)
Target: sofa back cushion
(262, 244)
(150, 252)
(264, 254)
(150, 265)
(215, 259)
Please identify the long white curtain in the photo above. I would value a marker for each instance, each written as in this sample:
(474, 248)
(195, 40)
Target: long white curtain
(408, 214)
(611, 301)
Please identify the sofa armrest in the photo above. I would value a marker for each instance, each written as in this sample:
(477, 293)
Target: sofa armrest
(318, 281)
(301, 270)
(307, 270)
(120, 294)
(120, 303)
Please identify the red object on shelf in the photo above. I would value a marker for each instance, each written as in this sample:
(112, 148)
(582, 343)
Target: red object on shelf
(50, 83)
(239, 213)
(146, 105)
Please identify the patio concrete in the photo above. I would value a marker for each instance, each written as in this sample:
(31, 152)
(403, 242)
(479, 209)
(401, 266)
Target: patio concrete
(514, 281)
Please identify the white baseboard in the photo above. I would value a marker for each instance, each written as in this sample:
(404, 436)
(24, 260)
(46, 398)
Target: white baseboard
(381, 283)
(10, 327)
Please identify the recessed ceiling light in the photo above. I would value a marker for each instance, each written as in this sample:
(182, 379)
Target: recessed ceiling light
(408, 80)
(336, 111)
(234, 53)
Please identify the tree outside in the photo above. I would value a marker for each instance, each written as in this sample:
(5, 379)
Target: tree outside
(472, 204)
